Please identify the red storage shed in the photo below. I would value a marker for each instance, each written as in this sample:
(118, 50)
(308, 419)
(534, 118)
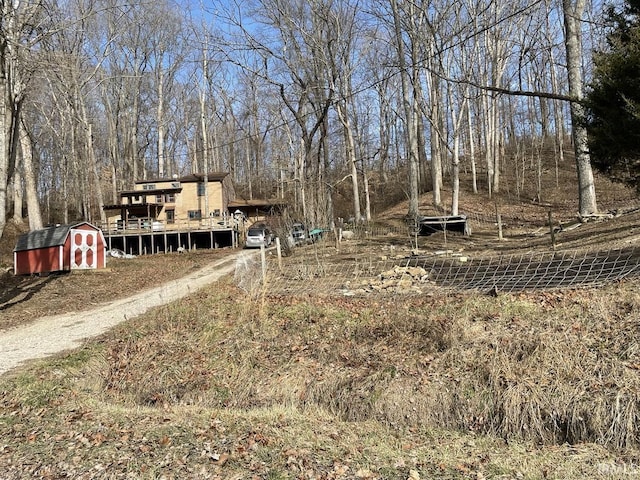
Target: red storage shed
(60, 248)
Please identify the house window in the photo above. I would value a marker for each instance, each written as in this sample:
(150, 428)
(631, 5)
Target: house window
(171, 198)
(201, 189)
(175, 185)
(171, 216)
(149, 186)
(195, 215)
(159, 199)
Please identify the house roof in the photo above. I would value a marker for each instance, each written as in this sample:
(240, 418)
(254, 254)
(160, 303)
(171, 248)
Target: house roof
(193, 177)
(155, 191)
(237, 203)
(132, 206)
(46, 237)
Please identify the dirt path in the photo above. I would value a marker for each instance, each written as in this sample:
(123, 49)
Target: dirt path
(53, 334)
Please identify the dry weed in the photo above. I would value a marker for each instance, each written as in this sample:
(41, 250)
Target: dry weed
(449, 386)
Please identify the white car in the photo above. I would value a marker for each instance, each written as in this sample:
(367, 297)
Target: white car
(258, 236)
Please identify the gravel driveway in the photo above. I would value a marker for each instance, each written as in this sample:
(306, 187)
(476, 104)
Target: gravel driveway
(50, 335)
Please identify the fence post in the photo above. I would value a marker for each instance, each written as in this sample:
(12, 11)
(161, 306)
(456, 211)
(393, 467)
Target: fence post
(553, 235)
(263, 259)
(279, 250)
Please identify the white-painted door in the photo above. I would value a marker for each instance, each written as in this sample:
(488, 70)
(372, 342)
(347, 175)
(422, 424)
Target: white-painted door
(84, 249)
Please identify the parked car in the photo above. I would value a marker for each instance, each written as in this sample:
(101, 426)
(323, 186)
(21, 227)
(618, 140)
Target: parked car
(259, 235)
(157, 226)
(299, 233)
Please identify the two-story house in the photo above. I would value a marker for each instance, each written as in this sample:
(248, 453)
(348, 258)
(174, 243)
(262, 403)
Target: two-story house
(173, 203)
(190, 212)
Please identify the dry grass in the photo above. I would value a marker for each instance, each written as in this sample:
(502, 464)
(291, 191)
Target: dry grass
(529, 386)
(225, 385)
(26, 298)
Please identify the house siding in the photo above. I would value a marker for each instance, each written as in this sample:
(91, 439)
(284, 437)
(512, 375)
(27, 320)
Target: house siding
(220, 192)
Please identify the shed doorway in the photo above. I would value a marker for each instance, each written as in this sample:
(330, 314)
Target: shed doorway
(84, 249)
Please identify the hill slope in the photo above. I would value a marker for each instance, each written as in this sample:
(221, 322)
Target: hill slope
(230, 384)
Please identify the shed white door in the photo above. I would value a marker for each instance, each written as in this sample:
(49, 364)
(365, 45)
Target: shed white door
(84, 249)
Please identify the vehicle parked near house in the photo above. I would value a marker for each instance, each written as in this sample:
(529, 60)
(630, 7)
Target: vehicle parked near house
(258, 236)
(299, 233)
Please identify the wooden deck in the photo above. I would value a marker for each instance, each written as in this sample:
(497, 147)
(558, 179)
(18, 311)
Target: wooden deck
(149, 241)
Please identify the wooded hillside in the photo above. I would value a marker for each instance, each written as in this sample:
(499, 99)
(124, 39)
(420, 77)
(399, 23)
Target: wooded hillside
(294, 98)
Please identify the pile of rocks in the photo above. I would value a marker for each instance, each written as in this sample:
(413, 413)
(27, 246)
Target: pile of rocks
(398, 280)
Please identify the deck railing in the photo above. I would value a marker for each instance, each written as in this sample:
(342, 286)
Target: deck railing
(146, 224)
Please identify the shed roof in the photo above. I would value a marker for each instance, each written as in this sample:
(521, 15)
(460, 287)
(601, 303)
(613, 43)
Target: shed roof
(46, 237)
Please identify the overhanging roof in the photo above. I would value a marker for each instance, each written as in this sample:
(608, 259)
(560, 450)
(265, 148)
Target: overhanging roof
(133, 206)
(155, 191)
(193, 177)
(256, 203)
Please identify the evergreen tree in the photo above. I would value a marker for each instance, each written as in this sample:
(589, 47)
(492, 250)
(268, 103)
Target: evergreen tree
(613, 101)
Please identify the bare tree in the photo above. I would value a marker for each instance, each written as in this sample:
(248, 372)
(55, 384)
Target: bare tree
(287, 98)
(22, 25)
(29, 177)
(124, 77)
(573, 11)
(294, 50)
(166, 57)
(74, 75)
(341, 59)
(411, 131)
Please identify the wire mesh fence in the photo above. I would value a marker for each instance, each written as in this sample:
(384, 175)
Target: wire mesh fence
(421, 274)
(487, 219)
(537, 272)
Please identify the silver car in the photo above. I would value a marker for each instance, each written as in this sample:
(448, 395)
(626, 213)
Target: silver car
(259, 235)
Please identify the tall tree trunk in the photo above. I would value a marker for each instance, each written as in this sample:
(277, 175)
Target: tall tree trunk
(204, 126)
(327, 219)
(384, 132)
(161, 126)
(496, 141)
(5, 123)
(472, 146)
(15, 189)
(6, 20)
(573, 42)
(437, 124)
(455, 175)
(350, 152)
(367, 196)
(487, 123)
(133, 134)
(300, 178)
(558, 107)
(456, 125)
(95, 173)
(33, 204)
(410, 114)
